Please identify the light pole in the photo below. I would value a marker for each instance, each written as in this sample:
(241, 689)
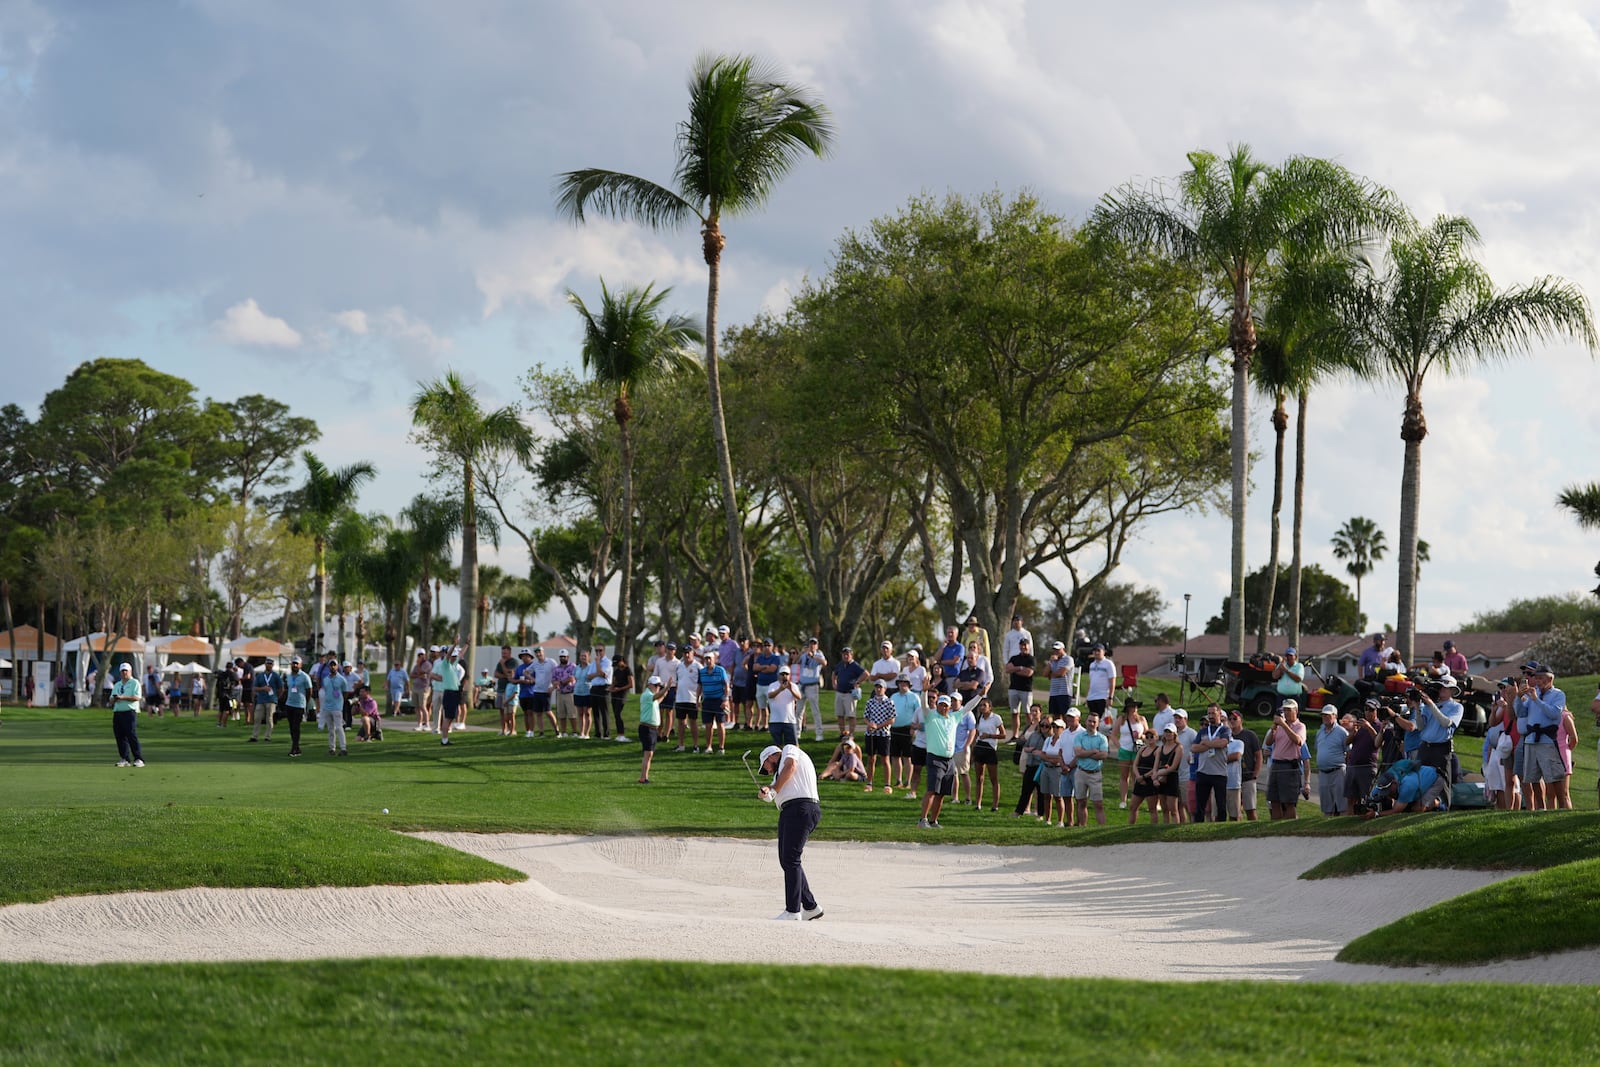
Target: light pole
(1183, 675)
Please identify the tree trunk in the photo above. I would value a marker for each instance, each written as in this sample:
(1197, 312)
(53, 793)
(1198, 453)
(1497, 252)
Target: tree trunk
(624, 640)
(1413, 428)
(319, 587)
(1269, 593)
(11, 634)
(1242, 339)
(342, 648)
(1299, 518)
(361, 632)
(469, 569)
(424, 611)
(712, 241)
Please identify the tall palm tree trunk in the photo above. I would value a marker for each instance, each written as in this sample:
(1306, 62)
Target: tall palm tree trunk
(1413, 428)
(1280, 426)
(1299, 518)
(625, 593)
(425, 611)
(1242, 339)
(319, 587)
(469, 569)
(712, 246)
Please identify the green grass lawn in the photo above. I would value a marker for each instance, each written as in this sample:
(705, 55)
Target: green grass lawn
(642, 1012)
(1496, 840)
(1552, 910)
(59, 851)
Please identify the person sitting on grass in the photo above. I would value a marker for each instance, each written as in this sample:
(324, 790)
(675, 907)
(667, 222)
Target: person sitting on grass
(371, 714)
(845, 764)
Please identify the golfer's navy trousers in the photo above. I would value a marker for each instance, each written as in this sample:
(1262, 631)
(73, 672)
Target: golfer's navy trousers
(796, 820)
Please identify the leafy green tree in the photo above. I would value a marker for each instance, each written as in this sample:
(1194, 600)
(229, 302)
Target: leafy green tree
(746, 129)
(1042, 381)
(1427, 305)
(465, 439)
(321, 501)
(1235, 217)
(431, 524)
(1359, 544)
(1328, 608)
(122, 441)
(1538, 614)
(258, 441)
(625, 346)
(1118, 613)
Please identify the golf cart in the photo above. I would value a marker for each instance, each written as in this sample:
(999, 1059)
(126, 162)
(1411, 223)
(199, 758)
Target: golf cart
(1250, 685)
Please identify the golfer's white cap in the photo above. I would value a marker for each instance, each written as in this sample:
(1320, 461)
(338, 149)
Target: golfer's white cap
(655, 679)
(770, 751)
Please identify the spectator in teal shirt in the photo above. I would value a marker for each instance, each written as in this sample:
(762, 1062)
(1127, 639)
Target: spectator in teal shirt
(1092, 748)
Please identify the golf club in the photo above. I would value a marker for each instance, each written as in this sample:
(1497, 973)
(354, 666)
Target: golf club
(746, 759)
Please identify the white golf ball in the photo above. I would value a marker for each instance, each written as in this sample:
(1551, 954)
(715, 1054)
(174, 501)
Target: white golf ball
(386, 811)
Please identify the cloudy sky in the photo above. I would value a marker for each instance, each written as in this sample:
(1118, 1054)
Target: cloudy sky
(329, 203)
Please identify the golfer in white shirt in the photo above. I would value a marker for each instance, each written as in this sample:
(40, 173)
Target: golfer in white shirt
(794, 790)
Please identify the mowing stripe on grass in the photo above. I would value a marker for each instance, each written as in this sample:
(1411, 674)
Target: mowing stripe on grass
(420, 1012)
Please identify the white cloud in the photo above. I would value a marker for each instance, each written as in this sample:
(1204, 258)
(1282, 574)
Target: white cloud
(353, 322)
(246, 324)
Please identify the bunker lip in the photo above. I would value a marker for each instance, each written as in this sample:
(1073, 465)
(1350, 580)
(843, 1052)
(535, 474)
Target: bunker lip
(1166, 910)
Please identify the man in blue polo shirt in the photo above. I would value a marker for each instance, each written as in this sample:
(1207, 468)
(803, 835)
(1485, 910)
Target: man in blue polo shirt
(766, 663)
(1438, 725)
(713, 679)
(297, 689)
(1540, 707)
(847, 690)
(951, 653)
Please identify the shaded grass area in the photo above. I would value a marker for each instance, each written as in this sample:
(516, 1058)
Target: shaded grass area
(503, 1011)
(1488, 841)
(1531, 915)
(53, 852)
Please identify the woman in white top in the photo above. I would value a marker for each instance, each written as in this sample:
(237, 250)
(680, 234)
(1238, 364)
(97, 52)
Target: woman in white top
(1127, 730)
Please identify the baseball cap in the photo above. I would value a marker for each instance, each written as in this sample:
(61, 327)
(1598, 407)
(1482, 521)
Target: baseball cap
(723, 630)
(1098, 647)
(126, 667)
(1506, 681)
(1058, 722)
(770, 751)
(297, 659)
(347, 663)
(1290, 651)
(877, 683)
(562, 653)
(1073, 713)
(672, 646)
(1329, 709)
(1448, 681)
(1170, 729)
(1373, 703)
(784, 670)
(943, 700)
(886, 644)
(1450, 644)
(1180, 711)
(655, 679)
(1287, 704)
(849, 741)
(809, 640)
(848, 649)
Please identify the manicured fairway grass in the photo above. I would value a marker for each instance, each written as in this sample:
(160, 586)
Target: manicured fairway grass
(484, 782)
(59, 851)
(499, 1011)
(1533, 914)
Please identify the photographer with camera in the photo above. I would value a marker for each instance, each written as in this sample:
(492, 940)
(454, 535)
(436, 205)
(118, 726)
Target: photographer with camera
(1361, 762)
(1541, 708)
(1289, 779)
(1438, 725)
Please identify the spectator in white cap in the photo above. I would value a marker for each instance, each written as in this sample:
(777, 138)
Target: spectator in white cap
(794, 790)
(124, 717)
(1289, 778)
(649, 724)
(1437, 725)
(808, 667)
(782, 697)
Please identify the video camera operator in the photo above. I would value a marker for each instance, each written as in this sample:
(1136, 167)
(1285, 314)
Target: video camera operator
(1437, 725)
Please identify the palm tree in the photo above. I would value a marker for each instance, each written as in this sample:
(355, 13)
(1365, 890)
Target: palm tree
(453, 425)
(1234, 217)
(1429, 305)
(746, 129)
(491, 582)
(1584, 503)
(1360, 544)
(320, 501)
(626, 346)
(434, 524)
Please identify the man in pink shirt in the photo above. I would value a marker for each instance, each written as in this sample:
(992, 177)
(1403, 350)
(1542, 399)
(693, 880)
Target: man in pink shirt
(1454, 660)
(1289, 778)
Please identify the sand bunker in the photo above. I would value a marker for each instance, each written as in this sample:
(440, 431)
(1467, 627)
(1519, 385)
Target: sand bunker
(1232, 909)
